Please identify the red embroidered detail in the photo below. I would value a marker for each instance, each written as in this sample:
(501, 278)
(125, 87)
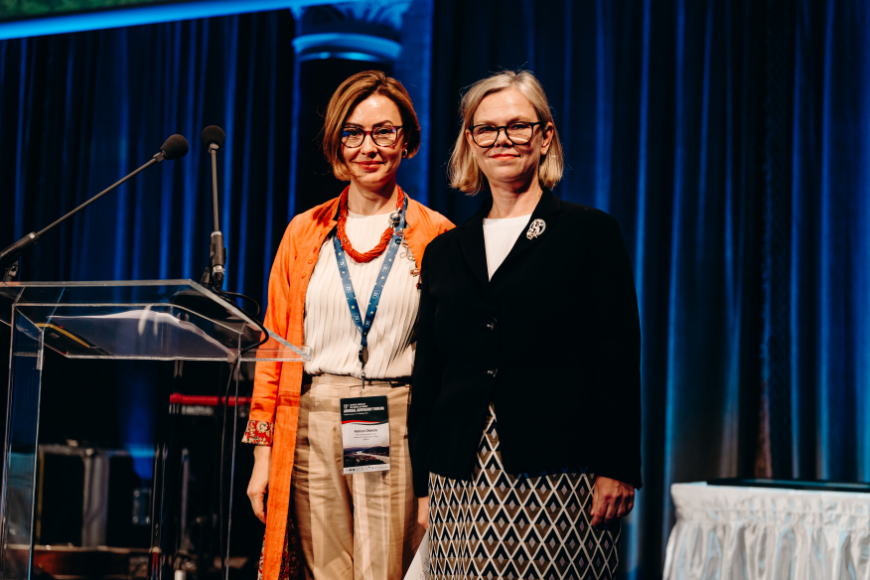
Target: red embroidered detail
(259, 433)
(361, 258)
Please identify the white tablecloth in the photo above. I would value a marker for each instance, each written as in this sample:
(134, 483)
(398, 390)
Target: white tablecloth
(750, 533)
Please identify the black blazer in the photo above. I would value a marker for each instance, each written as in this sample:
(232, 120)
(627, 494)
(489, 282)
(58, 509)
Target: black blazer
(553, 341)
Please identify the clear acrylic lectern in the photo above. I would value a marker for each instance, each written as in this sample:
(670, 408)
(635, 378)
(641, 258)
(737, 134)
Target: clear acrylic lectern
(136, 320)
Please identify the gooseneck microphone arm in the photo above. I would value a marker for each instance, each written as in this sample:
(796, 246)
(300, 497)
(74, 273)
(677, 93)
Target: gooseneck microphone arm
(98, 196)
(176, 146)
(213, 137)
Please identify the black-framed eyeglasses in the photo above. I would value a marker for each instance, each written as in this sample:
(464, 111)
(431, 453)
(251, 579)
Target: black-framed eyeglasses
(518, 133)
(383, 135)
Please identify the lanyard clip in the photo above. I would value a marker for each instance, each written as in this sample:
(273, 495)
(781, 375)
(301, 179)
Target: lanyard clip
(363, 359)
(395, 217)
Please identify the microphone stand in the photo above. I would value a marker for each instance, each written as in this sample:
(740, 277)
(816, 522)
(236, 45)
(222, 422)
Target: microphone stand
(214, 138)
(214, 273)
(9, 256)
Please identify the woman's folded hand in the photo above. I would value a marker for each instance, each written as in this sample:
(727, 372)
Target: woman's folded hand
(260, 481)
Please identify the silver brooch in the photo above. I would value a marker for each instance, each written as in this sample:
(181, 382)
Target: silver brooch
(536, 229)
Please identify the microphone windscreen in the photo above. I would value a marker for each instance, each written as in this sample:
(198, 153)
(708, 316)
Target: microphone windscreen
(175, 147)
(213, 134)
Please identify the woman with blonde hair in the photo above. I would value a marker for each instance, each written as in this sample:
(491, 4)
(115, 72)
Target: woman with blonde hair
(345, 282)
(525, 421)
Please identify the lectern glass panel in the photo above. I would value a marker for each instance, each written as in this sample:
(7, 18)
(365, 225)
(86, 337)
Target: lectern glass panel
(178, 321)
(19, 466)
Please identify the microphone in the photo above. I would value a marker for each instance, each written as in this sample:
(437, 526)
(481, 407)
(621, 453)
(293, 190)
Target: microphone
(174, 148)
(213, 138)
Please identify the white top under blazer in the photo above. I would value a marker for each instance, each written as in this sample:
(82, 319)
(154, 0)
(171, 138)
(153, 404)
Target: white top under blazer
(328, 327)
(499, 237)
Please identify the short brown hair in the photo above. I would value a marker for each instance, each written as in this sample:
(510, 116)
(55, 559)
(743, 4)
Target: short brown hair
(462, 171)
(352, 92)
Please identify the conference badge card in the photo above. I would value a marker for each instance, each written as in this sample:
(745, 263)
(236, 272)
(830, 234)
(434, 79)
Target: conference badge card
(365, 434)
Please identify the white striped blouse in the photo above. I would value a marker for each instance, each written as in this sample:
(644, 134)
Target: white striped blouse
(328, 326)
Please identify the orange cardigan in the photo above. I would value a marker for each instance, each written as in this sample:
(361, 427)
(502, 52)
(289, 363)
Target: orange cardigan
(275, 407)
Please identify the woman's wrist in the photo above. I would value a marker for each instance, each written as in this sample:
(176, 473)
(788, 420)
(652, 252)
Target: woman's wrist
(262, 454)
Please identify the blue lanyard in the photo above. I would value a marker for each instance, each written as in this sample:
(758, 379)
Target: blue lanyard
(365, 326)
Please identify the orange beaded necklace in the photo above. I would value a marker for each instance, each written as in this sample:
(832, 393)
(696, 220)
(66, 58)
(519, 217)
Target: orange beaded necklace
(363, 257)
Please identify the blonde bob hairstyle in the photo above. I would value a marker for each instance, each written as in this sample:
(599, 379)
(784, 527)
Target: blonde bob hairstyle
(462, 171)
(351, 93)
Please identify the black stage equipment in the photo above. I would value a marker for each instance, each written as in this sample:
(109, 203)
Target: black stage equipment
(88, 498)
(174, 148)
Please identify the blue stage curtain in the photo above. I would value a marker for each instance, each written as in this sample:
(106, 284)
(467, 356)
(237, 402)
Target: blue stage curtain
(660, 111)
(79, 111)
(828, 327)
(731, 139)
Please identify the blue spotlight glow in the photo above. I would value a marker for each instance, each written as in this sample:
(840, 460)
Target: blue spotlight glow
(343, 55)
(346, 45)
(139, 15)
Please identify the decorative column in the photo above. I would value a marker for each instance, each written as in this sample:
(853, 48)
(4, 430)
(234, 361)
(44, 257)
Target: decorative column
(334, 41)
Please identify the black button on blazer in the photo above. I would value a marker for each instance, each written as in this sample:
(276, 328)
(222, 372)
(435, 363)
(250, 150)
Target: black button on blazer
(553, 341)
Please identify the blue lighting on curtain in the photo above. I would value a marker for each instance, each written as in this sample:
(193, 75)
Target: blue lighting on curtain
(643, 136)
(135, 416)
(603, 105)
(673, 304)
(246, 174)
(631, 533)
(862, 283)
(19, 141)
(229, 114)
(270, 171)
(79, 111)
(662, 112)
(191, 125)
(704, 144)
(137, 16)
(827, 255)
(123, 154)
(797, 265)
(294, 140)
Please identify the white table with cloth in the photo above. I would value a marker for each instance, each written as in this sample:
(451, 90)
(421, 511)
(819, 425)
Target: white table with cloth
(756, 533)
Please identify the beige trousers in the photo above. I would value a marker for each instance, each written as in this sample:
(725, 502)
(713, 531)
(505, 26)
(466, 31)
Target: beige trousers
(361, 526)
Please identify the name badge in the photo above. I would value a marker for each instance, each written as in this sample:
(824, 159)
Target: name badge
(365, 434)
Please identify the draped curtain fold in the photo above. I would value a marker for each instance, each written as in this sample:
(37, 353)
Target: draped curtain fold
(829, 257)
(659, 110)
(730, 139)
(80, 111)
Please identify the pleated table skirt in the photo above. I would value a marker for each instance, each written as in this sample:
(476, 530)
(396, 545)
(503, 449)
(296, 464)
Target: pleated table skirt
(528, 526)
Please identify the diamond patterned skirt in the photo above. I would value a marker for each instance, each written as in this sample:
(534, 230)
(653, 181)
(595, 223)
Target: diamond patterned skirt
(525, 526)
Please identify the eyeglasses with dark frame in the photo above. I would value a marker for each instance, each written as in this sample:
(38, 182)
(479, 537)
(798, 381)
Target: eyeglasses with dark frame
(518, 133)
(382, 135)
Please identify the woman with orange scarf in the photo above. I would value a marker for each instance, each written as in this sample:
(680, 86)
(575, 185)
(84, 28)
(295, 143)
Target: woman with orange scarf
(345, 282)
